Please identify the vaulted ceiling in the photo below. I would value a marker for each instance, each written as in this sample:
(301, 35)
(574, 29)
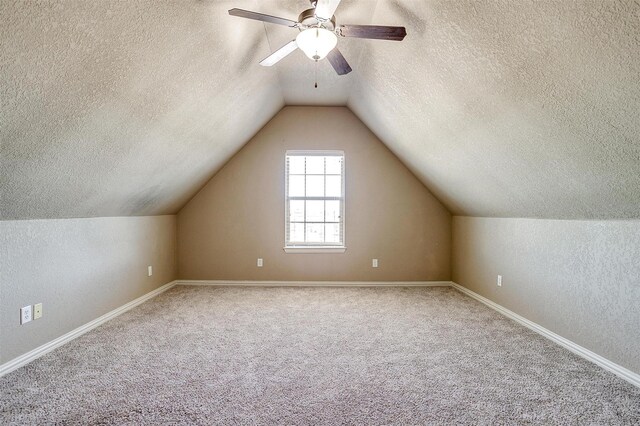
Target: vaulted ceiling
(502, 108)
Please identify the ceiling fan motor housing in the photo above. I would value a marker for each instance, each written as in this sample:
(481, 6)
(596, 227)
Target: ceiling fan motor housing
(308, 19)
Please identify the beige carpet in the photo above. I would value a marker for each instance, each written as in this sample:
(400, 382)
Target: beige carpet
(247, 356)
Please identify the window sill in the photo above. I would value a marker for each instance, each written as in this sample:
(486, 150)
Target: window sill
(316, 249)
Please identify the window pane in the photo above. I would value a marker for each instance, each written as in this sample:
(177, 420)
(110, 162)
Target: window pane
(315, 186)
(332, 233)
(312, 218)
(334, 165)
(296, 186)
(315, 211)
(315, 232)
(332, 211)
(315, 165)
(296, 233)
(334, 186)
(296, 165)
(296, 211)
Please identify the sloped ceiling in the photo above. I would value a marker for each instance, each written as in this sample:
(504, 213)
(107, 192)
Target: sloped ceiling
(502, 108)
(512, 108)
(117, 108)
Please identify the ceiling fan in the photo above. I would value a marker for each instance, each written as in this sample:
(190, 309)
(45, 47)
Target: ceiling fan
(318, 34)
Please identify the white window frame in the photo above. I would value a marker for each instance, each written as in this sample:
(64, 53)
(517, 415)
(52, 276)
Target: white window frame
(310, 247)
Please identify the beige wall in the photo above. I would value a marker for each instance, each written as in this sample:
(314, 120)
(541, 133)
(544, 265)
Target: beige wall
(239, 215)
(579, 279)
(79, 269)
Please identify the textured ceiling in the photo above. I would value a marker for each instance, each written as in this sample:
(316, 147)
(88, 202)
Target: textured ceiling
(117, 108)
(512, 108)
(502, 108)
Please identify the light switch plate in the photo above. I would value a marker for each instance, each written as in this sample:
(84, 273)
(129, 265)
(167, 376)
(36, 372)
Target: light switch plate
(374, 263)
(37, 311)
(260, 262)
(149, 271)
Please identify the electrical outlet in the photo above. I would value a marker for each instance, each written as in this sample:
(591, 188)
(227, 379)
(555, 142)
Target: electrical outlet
(374, 263)
(260, 262)
(149, 271)
(25, 314)
(37, 311)
(499, 282)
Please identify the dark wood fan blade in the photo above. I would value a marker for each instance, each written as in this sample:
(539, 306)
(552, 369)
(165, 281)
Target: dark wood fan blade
(338, 62)
(379, 32)
(262, 17)
(279, 54)
(326, 8)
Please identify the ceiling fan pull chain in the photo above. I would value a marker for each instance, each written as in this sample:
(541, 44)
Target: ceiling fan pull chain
(316, 75)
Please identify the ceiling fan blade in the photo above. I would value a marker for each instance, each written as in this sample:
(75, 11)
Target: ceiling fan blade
(379, 32)
(338, 62)
(279, 54)
(262, 17)
(326, 8)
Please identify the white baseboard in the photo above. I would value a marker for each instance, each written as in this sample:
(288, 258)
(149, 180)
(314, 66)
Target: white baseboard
(585, 353)
(48, 347)
(233, 283)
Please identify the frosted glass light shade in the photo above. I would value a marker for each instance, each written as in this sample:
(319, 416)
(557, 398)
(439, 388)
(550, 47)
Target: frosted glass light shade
(316, 43)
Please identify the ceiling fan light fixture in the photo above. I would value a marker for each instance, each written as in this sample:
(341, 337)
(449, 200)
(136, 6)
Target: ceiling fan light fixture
(316, 42)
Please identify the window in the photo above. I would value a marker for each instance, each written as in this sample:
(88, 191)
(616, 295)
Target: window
(314, 207)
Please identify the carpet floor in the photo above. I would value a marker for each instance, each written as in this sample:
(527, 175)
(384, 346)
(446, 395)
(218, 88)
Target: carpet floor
(264, 356)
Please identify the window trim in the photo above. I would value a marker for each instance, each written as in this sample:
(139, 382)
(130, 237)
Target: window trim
(322, 247)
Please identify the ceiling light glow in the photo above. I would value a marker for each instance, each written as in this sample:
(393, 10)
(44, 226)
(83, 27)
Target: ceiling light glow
(316, 42)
